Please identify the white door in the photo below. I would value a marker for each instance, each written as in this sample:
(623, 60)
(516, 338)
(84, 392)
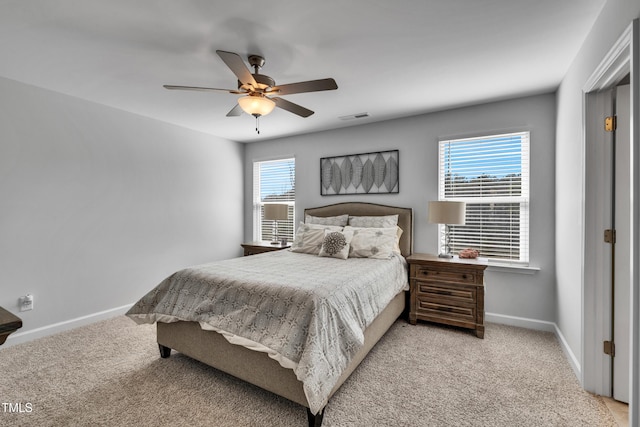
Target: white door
(622, 260)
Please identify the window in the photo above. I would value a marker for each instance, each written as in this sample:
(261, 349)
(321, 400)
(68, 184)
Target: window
(273, 182)
(490, 174)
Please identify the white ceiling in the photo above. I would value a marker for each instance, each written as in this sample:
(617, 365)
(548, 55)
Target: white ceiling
(389, 58)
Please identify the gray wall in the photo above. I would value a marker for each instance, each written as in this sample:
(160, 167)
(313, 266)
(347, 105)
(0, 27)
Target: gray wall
(508, 294)
(615, 17)
(99, 205)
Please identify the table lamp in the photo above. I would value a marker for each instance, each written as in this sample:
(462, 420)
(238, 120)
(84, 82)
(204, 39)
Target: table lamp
(275, 213)
(447, 213)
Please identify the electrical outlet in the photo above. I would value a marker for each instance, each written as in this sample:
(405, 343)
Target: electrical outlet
(26, 302)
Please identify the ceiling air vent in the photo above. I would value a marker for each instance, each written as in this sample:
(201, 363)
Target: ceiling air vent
(354, 116)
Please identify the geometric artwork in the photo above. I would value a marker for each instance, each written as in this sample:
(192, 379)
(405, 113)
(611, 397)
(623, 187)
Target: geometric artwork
(368, 173)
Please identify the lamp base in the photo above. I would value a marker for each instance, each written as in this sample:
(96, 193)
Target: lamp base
(443, 255)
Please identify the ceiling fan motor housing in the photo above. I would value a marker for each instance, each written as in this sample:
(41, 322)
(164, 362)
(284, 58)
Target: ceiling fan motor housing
(263, 81)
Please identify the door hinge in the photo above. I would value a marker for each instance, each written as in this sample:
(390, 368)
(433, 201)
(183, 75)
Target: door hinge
(609, 236)
(610, 123)
(610, 348)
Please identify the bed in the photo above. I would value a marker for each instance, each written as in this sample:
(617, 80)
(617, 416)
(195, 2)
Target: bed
(244, 356)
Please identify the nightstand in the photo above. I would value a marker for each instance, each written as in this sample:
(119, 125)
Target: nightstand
(447, 290)
(253, 248)
(9, 323)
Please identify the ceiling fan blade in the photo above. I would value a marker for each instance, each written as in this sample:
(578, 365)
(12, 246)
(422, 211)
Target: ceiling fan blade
(235, 111)
(309, 86)
(291, 107)
(203, 89)
(237, 65)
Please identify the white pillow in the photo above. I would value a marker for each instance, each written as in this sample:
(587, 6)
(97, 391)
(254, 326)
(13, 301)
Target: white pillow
(398, 231)
(322, 226)
(308, 241)
(340, 220)
(309, 238)
(336, 244)
(377, 243)
(381, 221)
(396, 248)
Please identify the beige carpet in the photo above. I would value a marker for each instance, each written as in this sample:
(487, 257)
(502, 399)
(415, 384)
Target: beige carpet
(110, 374)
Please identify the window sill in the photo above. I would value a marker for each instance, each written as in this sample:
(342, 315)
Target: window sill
(505, 267)
(512, 268)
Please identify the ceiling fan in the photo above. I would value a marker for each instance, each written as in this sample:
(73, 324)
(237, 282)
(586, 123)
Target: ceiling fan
(260, 91)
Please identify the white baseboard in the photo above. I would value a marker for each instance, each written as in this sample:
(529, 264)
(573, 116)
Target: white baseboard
(573, 361)
(539, 325)
(522, 322)
(21, 337)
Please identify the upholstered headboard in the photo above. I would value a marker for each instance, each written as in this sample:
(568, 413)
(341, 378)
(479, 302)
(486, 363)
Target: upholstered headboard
(405, 217)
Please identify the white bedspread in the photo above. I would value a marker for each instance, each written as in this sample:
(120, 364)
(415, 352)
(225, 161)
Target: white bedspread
(309, 312)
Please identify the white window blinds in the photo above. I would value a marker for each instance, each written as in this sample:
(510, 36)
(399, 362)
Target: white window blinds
(490, 174)
(273, 182)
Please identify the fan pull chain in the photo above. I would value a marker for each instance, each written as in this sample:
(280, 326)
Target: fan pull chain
(258, 124)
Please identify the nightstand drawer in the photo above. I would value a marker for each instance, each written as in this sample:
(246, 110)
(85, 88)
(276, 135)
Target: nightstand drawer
(448, 292)
(422, 272)
(440, 310)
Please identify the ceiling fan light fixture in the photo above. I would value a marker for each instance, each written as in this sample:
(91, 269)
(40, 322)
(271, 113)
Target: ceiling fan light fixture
(256, 105)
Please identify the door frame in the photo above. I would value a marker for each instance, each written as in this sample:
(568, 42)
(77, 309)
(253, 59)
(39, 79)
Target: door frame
(622, 59)
(622, 267)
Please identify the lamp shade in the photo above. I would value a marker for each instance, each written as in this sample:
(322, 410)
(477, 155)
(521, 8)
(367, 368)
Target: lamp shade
(276, 212)
(256, 105)
(444, 212)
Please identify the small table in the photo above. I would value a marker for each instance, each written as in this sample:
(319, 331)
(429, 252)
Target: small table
(9, 323)
(253, 248)
(449, 291)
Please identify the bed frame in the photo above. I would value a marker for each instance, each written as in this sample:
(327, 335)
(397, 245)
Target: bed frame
(258, 368)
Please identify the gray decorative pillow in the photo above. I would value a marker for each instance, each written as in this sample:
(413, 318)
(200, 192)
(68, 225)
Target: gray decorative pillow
(381, 221)
(340, 220)
(336, 244)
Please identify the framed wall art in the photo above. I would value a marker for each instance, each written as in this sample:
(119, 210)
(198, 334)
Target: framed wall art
(367, 173)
